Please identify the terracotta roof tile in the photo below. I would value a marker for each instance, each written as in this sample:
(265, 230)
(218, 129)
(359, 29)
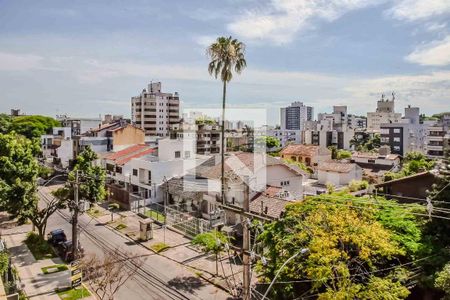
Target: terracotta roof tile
(123, 156)
(273, 206)
(300, 149)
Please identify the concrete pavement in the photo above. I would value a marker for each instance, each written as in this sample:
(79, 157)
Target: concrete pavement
(36, 284)
(159, 277)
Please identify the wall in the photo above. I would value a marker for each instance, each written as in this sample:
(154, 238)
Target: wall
(127, 136)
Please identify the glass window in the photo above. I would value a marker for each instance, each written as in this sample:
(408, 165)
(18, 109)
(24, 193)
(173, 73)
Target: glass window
(177, 154)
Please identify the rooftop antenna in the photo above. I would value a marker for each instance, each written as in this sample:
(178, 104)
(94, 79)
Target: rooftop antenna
(393, 96)
(382, 97)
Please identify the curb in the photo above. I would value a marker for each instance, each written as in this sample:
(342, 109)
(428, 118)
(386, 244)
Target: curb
(171, 259)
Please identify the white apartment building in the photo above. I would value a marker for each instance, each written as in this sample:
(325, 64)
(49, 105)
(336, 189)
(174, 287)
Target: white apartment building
(206, 136)
(139, 172)
(437, 137)
(294, 116)
(406, 135)
(285, 136)
(155, 111)
(326, 133)
(79, 125)
(385, 113)
(58, 146)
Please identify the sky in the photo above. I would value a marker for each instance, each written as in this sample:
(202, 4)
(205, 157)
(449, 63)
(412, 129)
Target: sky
(85, 58)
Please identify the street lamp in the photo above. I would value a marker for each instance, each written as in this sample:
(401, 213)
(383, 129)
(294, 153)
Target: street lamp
(302, 251)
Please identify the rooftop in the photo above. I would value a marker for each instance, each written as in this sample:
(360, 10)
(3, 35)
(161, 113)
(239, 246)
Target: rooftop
(338, 167)
(123, 156)
(300, 149)
(268, 206)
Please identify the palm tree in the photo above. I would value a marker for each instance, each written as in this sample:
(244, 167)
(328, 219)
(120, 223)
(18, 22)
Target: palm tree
(227, 55)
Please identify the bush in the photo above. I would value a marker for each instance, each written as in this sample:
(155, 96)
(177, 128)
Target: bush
(38, 246)
(357, 185)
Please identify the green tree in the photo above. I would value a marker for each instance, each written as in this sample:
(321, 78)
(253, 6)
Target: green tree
(19, 171)
(227, 56)
(443, 280)
(343, 154)
(91, 178)
(414, 162)
(269, 142)
(33, 126)
(212, 242)
(353, 245)
(5, 123)
(436, 231)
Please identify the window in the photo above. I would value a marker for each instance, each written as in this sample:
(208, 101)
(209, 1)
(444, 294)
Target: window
(396, 130)
(187, 154)
(397, 139)
(177, 154)
(135, 172)
(384, 131)
(396, 148)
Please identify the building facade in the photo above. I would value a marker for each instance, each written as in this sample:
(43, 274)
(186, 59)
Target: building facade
(385, 113)
(294, 116)
(155, 111)
(406, 135)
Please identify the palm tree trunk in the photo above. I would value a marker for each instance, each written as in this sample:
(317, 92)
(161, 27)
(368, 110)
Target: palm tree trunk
(222, 146)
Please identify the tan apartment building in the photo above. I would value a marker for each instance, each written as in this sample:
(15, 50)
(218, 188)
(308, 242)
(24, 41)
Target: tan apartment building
(155, 111)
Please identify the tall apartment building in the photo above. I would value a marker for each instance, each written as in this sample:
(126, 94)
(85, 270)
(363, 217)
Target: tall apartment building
(406, 135)
(154, 111)
(438, 135)
(294, 116)
(385, 113)
(207, 137)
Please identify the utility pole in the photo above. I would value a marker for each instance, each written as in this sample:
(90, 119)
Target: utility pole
(246, 245)
(75, 218)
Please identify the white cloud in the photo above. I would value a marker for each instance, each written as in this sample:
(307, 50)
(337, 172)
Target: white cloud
(436, 53)
(19, 62)
(435, 26)
(412, 10)
(205, 40)
(282, 19)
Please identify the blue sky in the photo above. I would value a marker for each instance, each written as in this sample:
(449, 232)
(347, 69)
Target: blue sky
(86, 58)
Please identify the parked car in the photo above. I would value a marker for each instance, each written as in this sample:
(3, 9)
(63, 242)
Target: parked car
(56, 237)
(65, 250)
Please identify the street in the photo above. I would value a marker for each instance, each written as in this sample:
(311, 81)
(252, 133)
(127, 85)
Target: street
(158, 278)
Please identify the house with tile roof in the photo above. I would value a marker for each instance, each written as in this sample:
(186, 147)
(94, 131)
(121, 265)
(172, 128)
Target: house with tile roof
(109, 137)
(259, 171)
(310, 155)
(137, 173)
(338, 173)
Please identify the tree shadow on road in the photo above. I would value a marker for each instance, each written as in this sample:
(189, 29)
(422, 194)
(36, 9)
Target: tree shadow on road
(186, 283)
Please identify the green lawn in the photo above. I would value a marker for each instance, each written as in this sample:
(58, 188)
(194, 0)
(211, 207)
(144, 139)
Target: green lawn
(121, 226)
(58, 268)
(155, 216)
(159, 247)
(39, 247)
(73, 294)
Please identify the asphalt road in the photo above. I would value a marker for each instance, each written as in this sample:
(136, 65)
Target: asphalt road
(158, 278)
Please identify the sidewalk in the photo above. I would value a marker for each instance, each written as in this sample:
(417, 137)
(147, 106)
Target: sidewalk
(36, 284)
(180, 251)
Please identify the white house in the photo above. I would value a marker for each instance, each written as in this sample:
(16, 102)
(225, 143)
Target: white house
(257, 170)
(58, 146)
(142, 170)
(338, 173)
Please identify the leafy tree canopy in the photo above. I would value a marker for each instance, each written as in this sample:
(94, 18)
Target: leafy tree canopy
(354, 245)
(414, 162)
(269, 141)
(19, 170)
(33, 126)
(91, 178)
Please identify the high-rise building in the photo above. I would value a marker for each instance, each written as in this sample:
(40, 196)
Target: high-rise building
(294, 116)
(154, 111)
